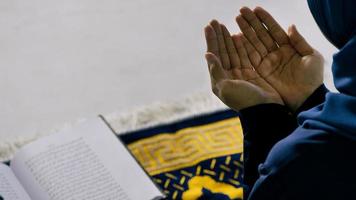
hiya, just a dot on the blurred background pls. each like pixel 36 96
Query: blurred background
pixel 69 59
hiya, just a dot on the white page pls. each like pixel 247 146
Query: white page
pixel 10 188
pixel 86 162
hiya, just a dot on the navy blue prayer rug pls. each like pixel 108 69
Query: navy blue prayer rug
pixel 198 158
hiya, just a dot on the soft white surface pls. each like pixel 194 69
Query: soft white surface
pixel 69 59
pixel 134 119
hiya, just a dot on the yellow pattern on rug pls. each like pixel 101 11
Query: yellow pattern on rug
pixel 167 152
pixel 196 185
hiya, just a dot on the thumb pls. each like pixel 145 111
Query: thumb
pixel 215 68
pixel 298 42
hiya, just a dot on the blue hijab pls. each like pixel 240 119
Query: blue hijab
pixel 337 20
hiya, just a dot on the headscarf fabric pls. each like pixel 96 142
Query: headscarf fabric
pixel 337 21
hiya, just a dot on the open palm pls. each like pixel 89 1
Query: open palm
pixel 262 65
pixel 286 61
pixel 233 77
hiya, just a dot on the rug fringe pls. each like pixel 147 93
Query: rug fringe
pixel 133 119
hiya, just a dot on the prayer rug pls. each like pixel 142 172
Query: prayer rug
pixel 198 158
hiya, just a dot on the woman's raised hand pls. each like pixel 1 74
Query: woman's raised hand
pixel 233 77
pixel 263 65
pixel 285 61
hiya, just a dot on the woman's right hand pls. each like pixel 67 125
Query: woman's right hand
pixel 234 80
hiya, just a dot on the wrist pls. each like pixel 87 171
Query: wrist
pixel 296 102
pixel 315 98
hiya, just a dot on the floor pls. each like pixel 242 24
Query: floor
pixel 64 60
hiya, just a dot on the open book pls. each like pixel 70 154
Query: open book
pixel 87 162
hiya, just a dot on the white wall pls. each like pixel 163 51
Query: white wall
pixel 67 59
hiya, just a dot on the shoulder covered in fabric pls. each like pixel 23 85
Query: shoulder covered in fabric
pixel 308 164
pixel 301 142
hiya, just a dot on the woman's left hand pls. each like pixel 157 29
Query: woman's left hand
pixel 286 61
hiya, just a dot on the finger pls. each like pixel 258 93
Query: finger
pixel 251 35
pixel 259 29
pixel 298 42
pixel 210 59
pixel 241 50
pixel 216 71
pixel 211 40
pixel 224 57
pixel 234 57
pixel 254 56
pixel 275 30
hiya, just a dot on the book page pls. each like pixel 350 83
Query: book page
pixel 86 162
pixel 10 188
